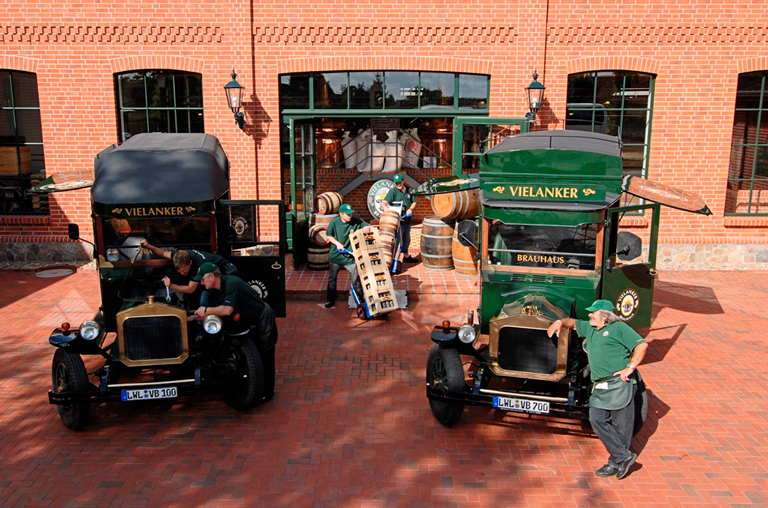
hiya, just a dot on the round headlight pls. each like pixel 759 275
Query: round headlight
pixel 113 255
pixel 90 330
pixel 212 324
pixel 467 334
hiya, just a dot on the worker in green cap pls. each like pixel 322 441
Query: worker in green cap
pixel 399 199
pixel 341 256
pixel 614 351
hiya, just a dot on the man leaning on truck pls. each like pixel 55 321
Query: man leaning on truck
pixel 187 263
pixel 614 351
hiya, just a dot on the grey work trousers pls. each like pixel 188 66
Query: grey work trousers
pixel 614 429
pixel 333 274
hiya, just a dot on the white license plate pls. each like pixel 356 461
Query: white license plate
pixel 168 392
pixel 521 405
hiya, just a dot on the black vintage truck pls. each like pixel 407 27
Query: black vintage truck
pixel 172 190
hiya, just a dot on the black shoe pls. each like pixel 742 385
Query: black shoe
pixel 409 259
pixel 624 466
pixel 607 470
pixel 329 303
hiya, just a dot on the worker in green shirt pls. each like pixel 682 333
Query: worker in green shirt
pixel 614 351
pixel 399 198
pixel 341 256
pixel 230 295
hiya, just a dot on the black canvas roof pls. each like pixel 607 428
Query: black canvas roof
pixel 161 168
pixel 561 140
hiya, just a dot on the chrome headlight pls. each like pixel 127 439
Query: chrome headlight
pixel 467 334
pixel 90 330
pixel 212 324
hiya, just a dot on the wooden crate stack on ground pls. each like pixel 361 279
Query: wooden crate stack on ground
pixel 378 291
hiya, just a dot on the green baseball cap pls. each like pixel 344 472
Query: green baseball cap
pixel 346 209
pixel 397 178
pixel 601 305
pixel 204 268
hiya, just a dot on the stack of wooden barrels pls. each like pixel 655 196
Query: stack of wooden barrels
pixel 441 249
pixel 326 207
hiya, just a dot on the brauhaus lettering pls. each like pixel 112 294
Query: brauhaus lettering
pixel 525 258
pixel 157 210
pixel 544 192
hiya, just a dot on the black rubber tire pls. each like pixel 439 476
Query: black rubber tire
pixel 641 407
pixel 68 375
pixel 243 359
pixel 361 312
pixel 445 371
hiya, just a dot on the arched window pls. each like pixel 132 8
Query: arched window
pixel 22 164
pixel 159 101
pixel 619 103
pixel 748 170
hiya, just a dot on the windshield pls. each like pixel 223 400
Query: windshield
pixel 124 235
pixel 572 247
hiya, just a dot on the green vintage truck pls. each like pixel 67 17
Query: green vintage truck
pixel 548 245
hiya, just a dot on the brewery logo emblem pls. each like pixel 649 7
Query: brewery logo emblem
pixel 605 333
pixel 259 287
pixel 627 304
pixel 240 224
pixel 376 193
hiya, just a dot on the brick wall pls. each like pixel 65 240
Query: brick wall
pixel 696 49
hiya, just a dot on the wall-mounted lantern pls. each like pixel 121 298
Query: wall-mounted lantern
pixel 535 97
pixel 234 93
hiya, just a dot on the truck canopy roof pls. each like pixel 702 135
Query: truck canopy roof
pixel 161 168
pixel 578 141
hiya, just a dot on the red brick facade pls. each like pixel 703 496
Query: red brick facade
pixel 695 49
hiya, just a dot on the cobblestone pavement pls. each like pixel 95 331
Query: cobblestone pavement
pixel 351 427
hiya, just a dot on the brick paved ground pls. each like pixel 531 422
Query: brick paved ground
pixel 351 426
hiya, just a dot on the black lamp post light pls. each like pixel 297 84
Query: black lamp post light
pixel 535 97
pixel 234 92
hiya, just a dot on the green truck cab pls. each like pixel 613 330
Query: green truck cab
pixel 173 191
pixel 548 245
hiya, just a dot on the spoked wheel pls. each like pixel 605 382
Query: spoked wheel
pixel 445 372
pixel 243 362
pixel 68 375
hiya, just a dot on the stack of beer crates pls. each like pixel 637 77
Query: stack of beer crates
pixel 378 291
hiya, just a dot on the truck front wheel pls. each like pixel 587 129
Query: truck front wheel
pixel 445 373
pixel 68 375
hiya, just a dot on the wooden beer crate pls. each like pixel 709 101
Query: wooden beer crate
pixel 378 291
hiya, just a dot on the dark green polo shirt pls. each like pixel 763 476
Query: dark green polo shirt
pixel 340 231
pixel 610 348
pixel 236 293
pixel 395 197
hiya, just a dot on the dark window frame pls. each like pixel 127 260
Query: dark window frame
pixel 14 195
pixel 754 153
pixel 595 109
pixel 172 110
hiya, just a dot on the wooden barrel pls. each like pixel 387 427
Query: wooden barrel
pixel 387 239
pixel 317 257
pixel 436 243
pixel 456 205
pixel 317 234
pixel 328 203
pixel 321 219
pixel 464 258
pixel 389 221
